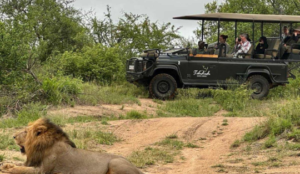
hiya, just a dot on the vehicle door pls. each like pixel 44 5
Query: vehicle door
pixel 203 70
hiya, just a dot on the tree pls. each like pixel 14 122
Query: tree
pixel 133 33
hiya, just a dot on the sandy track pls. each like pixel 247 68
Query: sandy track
pixel 139 134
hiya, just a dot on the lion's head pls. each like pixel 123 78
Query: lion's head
pixel 40 136
pixel 20 140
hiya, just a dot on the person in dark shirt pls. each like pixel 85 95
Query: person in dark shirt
pixel 201 49
pixel 292 38
pixel 262 45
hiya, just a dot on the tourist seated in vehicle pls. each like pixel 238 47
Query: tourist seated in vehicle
pixel 293 37
pixel 242 46
pixel 285 32
pixel 201 48
pixel 290 40
pixel 262 45
pixel 222 40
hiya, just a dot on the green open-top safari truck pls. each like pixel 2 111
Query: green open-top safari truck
pixel 164 72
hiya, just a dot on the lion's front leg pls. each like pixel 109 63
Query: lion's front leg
pixel 13 169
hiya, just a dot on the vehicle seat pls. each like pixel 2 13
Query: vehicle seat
pixel 294 48
pixel 249 53
pixel 272 51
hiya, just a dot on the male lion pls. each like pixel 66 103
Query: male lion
pixel 50 151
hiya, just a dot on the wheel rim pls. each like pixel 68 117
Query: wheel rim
pixel 257 87
pixel 163 87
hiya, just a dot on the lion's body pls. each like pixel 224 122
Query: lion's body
pixel 48 148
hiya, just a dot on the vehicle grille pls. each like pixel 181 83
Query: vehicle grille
pixel 134 65
pixel 137 65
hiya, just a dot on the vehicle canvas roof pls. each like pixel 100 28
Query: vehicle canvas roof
pixel 243 17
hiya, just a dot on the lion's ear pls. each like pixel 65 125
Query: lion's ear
pixel 39 130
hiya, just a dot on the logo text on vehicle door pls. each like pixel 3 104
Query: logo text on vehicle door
pixel 202 73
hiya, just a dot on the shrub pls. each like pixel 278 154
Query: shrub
pixel 61 89
pixel 99 63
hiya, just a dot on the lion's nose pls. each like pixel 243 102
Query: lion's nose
pixel 14 137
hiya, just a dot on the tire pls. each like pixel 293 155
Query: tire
pixel 163 86
pixel 260 85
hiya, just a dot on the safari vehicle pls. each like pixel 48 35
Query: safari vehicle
pixel 164 72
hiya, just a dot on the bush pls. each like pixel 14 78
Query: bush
pixel 99 63
pixel 61 89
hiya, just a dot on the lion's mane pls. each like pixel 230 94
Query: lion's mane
pixel 41 136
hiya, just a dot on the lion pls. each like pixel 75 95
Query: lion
pixel 49 150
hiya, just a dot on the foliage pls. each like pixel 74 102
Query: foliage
pixel 98 63
pixel 61 89
pixel 29 113
pixel 135 115
pixel 191 107
pixel 110 94
pixel 151 156
pixel 133 33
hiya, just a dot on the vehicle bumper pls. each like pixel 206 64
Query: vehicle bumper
pixel 134 77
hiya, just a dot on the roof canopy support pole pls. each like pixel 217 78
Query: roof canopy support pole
pixel 280 37
pixel 235 30
pixel 253 42
pixel 219 31
pixel 262 28
pixel 202 34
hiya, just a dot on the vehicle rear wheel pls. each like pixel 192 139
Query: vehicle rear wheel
pixel 163 86
pixel 260 85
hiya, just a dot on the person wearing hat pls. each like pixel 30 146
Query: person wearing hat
pixel 201 49
pixel 293 37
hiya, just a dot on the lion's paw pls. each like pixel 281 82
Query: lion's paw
pixel 7 167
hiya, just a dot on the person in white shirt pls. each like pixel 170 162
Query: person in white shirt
pixel 242 46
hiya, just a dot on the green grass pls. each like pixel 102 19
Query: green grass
pixel 191 145
pixel 7 142
pixel 270 142
pixel 191 107
pixel 82 137
pixel 62 120
pixel 135 115
pixel 111 94
pixel 151 156
pixel 170 143
pixel 236 144
pixel 218 166
pixel 294 135
pixel 18 159
pixel 260 163
pixel 2 157
pixel 172 136
pixel 29 113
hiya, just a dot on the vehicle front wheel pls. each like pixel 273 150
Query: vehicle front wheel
pixel 260 85
pixel 163 86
